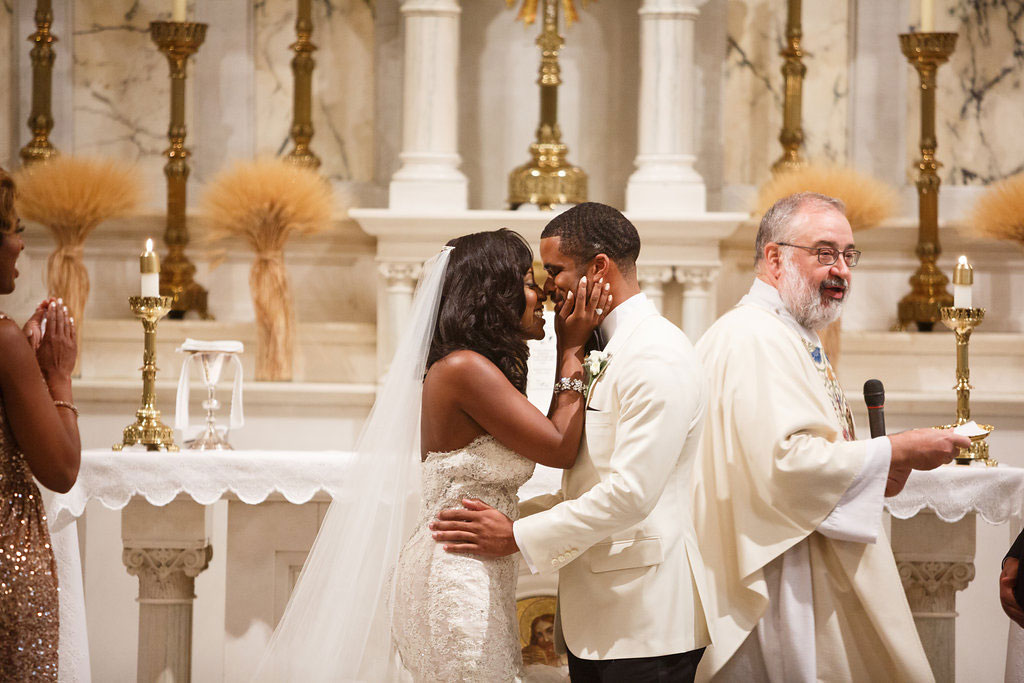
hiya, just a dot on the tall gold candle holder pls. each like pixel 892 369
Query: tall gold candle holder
pixel 926 52
pixel 549 179
pixel 302 97
pixel 40 121
pixel 963 321
pixel 178 40
pixel 793 72
pixel 147 429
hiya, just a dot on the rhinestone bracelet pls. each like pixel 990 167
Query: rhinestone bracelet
pixel 569 384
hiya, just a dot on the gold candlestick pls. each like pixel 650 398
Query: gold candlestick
pixel 926 52
pixel 147 429
pixel 793 71
pixel 40 121
pixel 178 40
pixel 302 98
pixel 963 321
pixel 549 179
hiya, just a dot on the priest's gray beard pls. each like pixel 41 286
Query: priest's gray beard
pixel 805 301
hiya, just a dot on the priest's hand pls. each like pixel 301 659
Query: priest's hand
pixel 897 480
pixel 1007 582
pixel 924 449
pixel 476 529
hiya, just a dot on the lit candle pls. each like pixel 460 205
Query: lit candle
pixel 927 16
pixel 963 279
pixel 149 266
pixel 178 10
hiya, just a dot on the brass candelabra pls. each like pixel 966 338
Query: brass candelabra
pixel 302 96
pixel 793 72
pixel 963 321
pixel 926 52
pixel 147 429
pixel 548 179
pixel 40 121
pixel 178 40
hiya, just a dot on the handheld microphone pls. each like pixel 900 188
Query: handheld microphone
pixel 874 397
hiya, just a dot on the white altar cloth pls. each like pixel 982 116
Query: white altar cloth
pixel 115 478
pixel 952 491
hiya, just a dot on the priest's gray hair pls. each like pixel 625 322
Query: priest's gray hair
pixel 776 225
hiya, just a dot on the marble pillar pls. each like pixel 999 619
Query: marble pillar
pixel 430 175
pixel 698 298
pixel 652 279
pixel 665 180
pixel 398 279
pixel 932 575
pixel 166 548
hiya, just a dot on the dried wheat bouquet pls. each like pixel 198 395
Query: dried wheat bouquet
pixel 264 203
pixel 71 196
pixel 999 212
pixel 868 201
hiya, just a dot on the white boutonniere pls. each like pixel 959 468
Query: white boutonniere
pixel 594 366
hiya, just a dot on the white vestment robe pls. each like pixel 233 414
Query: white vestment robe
pixel 788 511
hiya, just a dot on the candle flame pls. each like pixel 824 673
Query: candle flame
pixel 962 260
pixel 149 246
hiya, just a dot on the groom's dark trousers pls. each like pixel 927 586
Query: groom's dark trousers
pixel 681 667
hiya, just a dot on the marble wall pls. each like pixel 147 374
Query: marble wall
pixel 753 85
pixel 343 88
pixel 8 78
pixel 980 93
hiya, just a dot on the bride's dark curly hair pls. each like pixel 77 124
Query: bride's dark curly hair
pixel 482 302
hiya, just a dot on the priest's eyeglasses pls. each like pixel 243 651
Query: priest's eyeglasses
pixel 827 255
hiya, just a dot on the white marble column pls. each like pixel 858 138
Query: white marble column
pixel 665 180
pixel 698 298
pixel 652 281
pixel 429 177
pixel 398 280
pixel 932 574
pixel 167 548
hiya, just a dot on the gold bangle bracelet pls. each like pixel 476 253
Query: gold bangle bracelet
pixel 66 404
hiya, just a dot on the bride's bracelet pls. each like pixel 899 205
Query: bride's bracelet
pixel 569 384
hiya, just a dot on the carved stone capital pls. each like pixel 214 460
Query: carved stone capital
pixel 652 275
pixel 166 575
pixel 400 274
pixel 931 585
pixel 696 277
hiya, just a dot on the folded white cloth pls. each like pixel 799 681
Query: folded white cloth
pixel 971 428
pixel 197 348
pixel 224 346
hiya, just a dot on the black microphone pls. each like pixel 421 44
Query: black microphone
pixel 874 396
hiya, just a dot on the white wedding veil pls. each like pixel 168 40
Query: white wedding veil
pixel 337 624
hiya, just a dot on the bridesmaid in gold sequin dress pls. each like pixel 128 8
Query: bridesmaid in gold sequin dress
pixel 38 438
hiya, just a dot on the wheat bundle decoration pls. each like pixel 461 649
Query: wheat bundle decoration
pixel 868 202
pixel 71 196
pixel 999 212
pixel 264 203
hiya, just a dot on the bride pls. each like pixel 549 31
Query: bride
pixel 451 423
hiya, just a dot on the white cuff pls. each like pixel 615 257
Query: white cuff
pixel 858 514
pixel 522 549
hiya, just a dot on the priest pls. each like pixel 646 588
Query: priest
pixel 787 503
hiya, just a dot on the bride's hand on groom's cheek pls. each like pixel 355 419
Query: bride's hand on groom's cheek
pixel 476 529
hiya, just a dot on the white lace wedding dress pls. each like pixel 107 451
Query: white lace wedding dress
pixel 454 615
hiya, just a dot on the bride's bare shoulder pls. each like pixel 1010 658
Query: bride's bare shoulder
pixel 462 366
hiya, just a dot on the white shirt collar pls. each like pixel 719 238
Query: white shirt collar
pixel 620 316
pixel 766 297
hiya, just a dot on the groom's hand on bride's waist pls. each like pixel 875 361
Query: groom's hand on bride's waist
pixel 476 529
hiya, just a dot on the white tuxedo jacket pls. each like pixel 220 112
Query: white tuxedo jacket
pixel 620 532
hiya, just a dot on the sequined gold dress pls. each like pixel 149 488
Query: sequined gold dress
pixel 28 572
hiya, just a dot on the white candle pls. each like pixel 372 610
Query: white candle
pixel 927 16
pixel 149 267
pixel 963 280
pixel 178 10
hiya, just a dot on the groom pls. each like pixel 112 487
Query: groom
pixel 619 532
